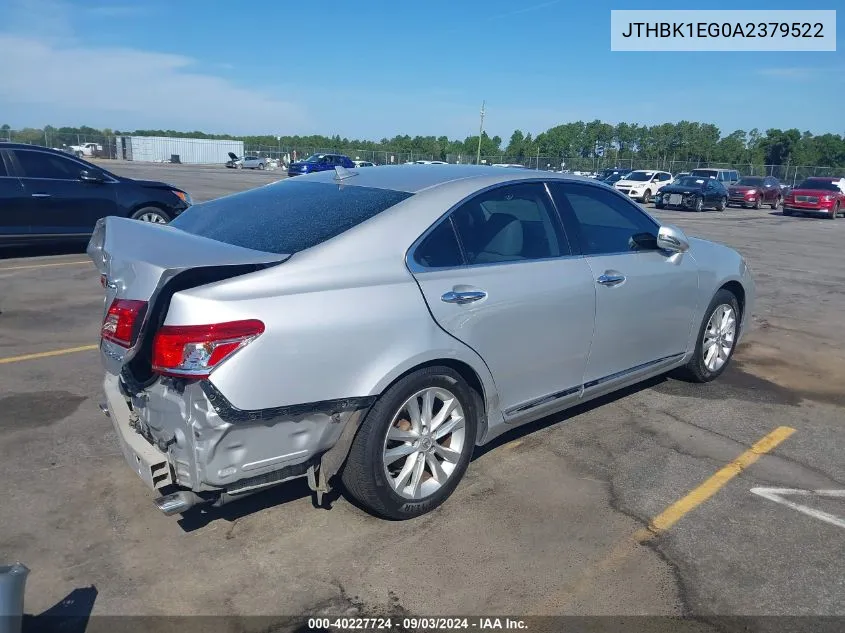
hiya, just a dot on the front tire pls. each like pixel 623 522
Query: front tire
pixel 153 215
pixel 776 204
pixel 716 340
pixel 414 446
pixel 758 202
pixel 261 166
pixel 647 196
pixel 834 212
pixel 722 204
pixel 699 204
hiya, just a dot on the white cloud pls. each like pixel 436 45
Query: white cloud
pixel 124 87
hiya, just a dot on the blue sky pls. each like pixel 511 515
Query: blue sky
pixel 370 69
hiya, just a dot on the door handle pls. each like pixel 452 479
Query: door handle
pixel 466 296
pixel 610 279
pixel 41 195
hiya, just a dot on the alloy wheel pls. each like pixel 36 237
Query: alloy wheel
pixel 152 216
pixel 424 443
pixel 719 337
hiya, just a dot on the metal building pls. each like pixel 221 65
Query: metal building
pixel 191 151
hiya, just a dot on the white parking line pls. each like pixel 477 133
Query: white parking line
pixel 777 495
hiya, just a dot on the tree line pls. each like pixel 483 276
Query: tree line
pixel 682 141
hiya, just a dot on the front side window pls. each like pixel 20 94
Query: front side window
pixel 43 165
pixel 606 222
pixel 508 224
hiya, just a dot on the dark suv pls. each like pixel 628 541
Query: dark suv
pixel 48 196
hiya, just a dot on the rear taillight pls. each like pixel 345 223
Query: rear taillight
pixel 195 350
pixel 122 322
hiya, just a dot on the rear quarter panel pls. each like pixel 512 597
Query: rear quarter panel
pixel 333 332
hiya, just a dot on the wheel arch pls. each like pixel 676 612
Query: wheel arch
pixel 480 381
pixel 738 290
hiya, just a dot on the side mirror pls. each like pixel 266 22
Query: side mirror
pixel 672 239
pixel 87 175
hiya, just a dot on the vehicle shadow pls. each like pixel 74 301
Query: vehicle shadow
pixel 199 517
pixel 43 250
pixel 69 615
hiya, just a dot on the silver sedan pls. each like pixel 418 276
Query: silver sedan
pixel 376 326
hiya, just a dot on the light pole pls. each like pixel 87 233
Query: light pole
pixel 480 132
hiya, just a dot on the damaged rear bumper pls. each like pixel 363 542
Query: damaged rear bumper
pixel 188 435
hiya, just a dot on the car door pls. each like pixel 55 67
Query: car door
pixel 57 201
pixel 14 222
pixel 771 190
pixel 645 298
pixel 712 192
pixel 498 274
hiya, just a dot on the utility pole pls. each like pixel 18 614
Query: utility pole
pixel 480 132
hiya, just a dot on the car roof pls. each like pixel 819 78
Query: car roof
pixel 7 145
pixel 415 178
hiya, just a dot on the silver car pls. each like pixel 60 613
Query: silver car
pixel 379 325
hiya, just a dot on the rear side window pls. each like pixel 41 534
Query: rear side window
pixel 508 224
pixel 287 217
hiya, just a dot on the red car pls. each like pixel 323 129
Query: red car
pixel 823 195
pixel 755 191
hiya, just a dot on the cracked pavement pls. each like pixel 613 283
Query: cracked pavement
pixel 542 524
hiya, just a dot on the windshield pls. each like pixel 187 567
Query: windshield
pixel 314 158
pixel 690 181
pixel 640 176
pixel 286 217
pixel 614 177
pixel 750 182
pixel 821 185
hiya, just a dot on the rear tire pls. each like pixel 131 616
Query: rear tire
pixel 151 214
pixel 397 489
pixel 716 336
pixel 261 166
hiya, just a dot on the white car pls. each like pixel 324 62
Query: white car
pixel 642 184
pixel 86 149
pixel 363 163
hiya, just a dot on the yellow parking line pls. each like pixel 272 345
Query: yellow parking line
pixel 44 265
pixel 55 352
pixel 674 512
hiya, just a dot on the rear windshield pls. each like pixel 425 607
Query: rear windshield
pixel 286 217
pixel 710 173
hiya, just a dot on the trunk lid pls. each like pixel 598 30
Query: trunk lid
pixel 148 262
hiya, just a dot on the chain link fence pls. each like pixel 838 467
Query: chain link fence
pixel 107 147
